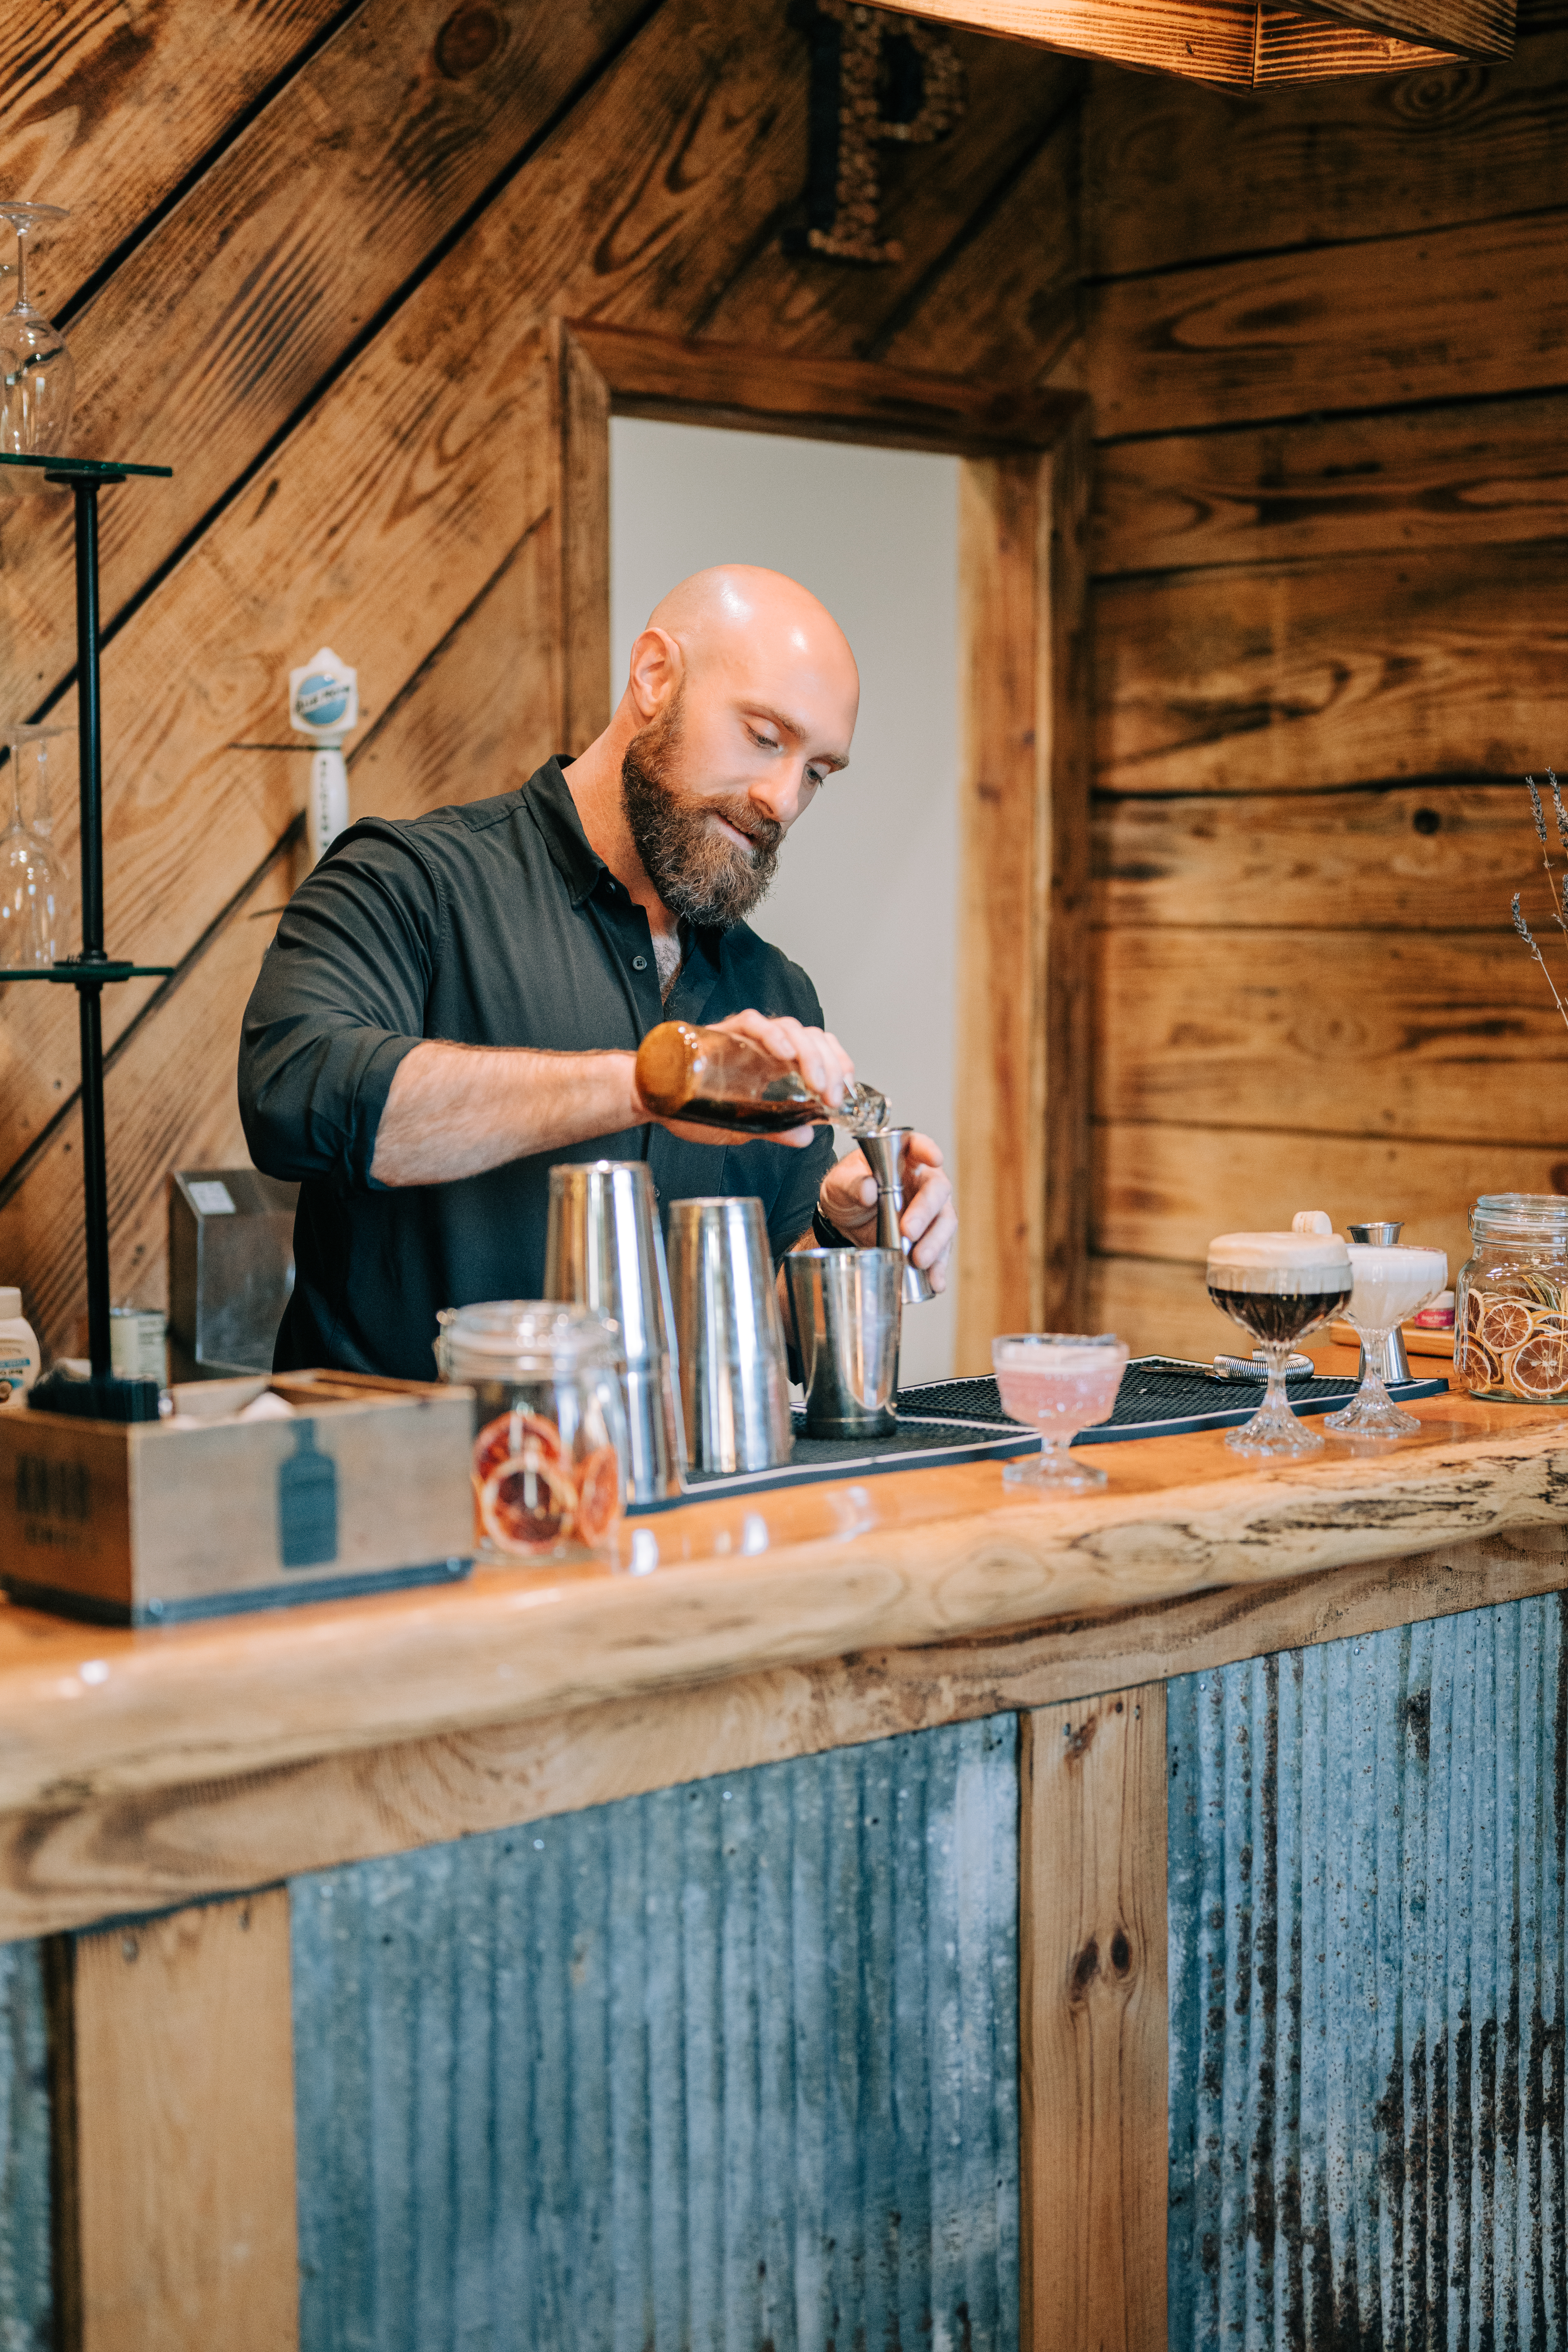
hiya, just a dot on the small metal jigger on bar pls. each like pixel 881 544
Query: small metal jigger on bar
pixel 1384 1355
pixel 884 1150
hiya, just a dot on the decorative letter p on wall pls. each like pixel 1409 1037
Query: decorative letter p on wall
pixel 873 78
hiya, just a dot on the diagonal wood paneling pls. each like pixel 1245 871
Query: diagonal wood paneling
pixel 109 109
pixel 230 315
pixel 386 510
pixel 934 195
pixel 466 724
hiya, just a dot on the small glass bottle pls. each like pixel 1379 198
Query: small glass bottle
pixel 549 1434
pixel 19 1357
pixel 716 1077
pixel 1510 1301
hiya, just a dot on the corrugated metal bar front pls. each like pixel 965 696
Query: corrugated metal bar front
pixel 1366 1888
pixel 730 2066
pixel 24 2290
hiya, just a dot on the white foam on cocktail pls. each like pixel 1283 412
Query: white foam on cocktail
pixel 1392 1282
pixel 1057 1356
pixel 1291 1263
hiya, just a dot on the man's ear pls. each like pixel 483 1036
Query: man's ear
pixel 657 667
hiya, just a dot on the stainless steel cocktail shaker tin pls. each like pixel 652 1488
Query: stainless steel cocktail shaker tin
pixel 604 1249
pixel 734 1380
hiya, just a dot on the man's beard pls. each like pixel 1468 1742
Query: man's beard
pixel 697 873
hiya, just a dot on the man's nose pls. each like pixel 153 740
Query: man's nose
pixel 778 794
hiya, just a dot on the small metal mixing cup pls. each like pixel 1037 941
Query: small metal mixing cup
pixel 604 1249
pixel 847 1305
pixel 884 1150
pixel 734 1381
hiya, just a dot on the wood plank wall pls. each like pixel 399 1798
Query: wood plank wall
pixel 315 257
pixel 1326 335
pixel 315 254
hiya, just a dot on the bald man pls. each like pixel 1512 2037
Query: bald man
pixel 453 1006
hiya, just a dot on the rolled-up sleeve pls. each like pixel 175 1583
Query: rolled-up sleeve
pixel 338 1000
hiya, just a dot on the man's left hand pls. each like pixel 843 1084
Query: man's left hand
pixel 848 1200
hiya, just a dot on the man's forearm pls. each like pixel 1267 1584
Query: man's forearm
pixel 456 1110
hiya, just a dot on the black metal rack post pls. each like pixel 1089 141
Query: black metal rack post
pixel 94 969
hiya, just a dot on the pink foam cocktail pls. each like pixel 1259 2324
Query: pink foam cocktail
pixel 1062 1382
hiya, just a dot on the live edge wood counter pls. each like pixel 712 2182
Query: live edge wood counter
pixel 143 1769
pixel 152 1773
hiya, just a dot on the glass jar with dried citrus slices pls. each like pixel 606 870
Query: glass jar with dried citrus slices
pixel 549 1434
pixel 1511 1303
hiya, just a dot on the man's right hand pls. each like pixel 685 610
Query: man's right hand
pixel 817 1053
pixel 456 1110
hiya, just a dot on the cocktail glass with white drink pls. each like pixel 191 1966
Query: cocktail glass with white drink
pixel 1277 1287
pixel 1392 1283
pixel 1062 1382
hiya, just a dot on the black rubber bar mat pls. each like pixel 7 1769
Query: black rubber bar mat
pixel 916 1444
pixel 1151 1403
pixel 963 1420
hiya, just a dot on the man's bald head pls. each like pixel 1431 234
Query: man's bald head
pixel 740 703
pixel 732 608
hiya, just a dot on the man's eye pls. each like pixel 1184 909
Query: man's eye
pixel 767 742
pixel 816 776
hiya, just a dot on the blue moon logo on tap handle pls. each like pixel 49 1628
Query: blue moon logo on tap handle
pixel 323 705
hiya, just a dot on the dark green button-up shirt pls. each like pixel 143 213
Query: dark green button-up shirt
pixel 494 924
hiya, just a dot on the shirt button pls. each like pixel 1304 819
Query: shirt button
pixel 639 963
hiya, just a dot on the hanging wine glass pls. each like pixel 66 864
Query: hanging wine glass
pixel 31 890
pixel 36 741
pixel 37 380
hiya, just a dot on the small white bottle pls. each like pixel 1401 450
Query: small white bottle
pixel 20 1360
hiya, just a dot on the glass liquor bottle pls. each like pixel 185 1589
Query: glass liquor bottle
pixel 715 1077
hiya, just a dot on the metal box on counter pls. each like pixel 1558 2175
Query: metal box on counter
pixel 363 1486
pixel 231 1269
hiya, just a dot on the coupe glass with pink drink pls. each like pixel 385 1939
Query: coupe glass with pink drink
pixel 1062 1382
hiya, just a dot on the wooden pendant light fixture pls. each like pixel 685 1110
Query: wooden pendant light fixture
pixel 1247 44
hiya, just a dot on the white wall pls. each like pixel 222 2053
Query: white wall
pixel 867 894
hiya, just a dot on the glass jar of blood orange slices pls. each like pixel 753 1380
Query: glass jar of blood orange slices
pixel 1511 1302
pixel 549 1434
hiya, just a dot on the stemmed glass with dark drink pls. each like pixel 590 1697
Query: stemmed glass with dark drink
pixel 1278 1288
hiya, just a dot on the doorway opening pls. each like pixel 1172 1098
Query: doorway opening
pixel 867 897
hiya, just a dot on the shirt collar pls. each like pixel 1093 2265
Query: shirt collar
pixel 548 797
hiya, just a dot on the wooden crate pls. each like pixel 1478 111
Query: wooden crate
pixel 366 1486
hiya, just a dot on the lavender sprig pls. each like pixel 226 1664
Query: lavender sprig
pixel 1522 928
pixel 1540 815
pixel 1557 804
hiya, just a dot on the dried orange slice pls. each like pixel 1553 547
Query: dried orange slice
pixel 1540 1368
pixel 1476 1365
pixel 1475 1306
pixel 1505 1325
pixel 527 1504
pixel 511 1433
pixel 598 1494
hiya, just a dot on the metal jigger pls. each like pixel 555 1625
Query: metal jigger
pixel 1384 1355
pixel 884 1150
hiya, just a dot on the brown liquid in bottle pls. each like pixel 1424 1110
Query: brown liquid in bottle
pixel 715 1078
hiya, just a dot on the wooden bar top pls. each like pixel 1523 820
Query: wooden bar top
pixel 724 1589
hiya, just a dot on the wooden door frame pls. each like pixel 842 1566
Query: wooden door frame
pixel 1022 1094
